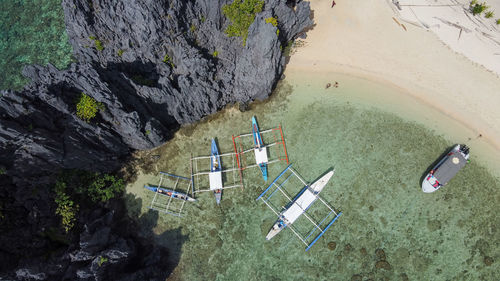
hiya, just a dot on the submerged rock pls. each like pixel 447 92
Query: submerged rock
pixel 380 254
pixel 488 261
pixel 363 252
pixel 357 277
pixel 383 264
pixel 332 245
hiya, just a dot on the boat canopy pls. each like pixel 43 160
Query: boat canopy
pixel 299 206
pixel 450 167
pixel 215 179
pixel 261 155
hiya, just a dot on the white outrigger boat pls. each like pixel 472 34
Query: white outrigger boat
pixel 216 181
pixel 446 168
pixel 299 205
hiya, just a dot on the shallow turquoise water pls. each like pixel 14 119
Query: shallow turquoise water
pixel 379 159
pixel 31 32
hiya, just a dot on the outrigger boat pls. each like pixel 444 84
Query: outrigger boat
pixel 299 205
pixel 259 150
pixel 446 168
pixel 215 175
pixel 171 193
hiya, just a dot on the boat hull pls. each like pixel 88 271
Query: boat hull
pixel 277 228
pixel 427 186
pixel 218 196
pixel 171 193
pixel 257 139
pixel 263 170
pixel 216 173
pixel 318 185
pixel 299 204
pixel 445 169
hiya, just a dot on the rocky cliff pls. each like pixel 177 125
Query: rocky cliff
pixel 154 65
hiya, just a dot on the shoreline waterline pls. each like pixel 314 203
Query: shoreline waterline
pixel 362 38
pixel 394 99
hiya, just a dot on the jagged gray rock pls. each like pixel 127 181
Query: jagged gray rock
pixel 152 66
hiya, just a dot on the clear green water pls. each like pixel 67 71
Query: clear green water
pixel 31 32
pixel 379 160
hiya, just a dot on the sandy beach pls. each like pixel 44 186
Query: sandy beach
pixel 366 39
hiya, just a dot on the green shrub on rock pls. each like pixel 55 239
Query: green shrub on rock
pixel 99 187
pixel 272 20
pixel 102 260
pixel 87 107
pixel 97 43
pixel 66 208
pixel 241 13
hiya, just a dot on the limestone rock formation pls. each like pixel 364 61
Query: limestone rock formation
pixel 154 65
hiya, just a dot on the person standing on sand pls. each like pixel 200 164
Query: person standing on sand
pixel 333 3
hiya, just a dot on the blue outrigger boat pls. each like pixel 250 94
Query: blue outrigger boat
pixel 171 193
pixel 260 149
pixel 298 206
pixel 215 175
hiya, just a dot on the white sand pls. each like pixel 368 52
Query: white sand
pixel 476 37
pixel 362 38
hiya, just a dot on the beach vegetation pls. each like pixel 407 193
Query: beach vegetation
pixel 147 132
pixel 489 14
pixel 478 8
pixel 192 28
pixel 2 171
pixel 498 21
pixel 66 208
pixel 215 54
pixel 120 52
pixel 87 107
pixel 203 19
pixel 241 13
